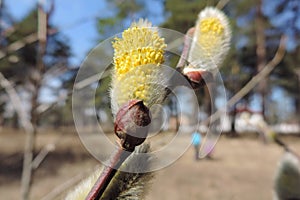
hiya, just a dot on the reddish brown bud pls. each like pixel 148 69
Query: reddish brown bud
pixel 131 124
pixel 191 32
pixel 199 78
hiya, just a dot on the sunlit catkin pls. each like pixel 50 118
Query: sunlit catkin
pixel 138 56
pixel 210 42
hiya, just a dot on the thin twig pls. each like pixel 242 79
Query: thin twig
pixel 266 71
pixel 254 81
pixel 33 37
pixel 17 103
pixel 286 147
pixel 221 4
pixel 186 47
pixel 42 155
pixel 29 129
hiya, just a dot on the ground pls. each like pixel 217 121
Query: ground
pixel 241 168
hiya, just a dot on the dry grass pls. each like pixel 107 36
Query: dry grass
pixel 242 168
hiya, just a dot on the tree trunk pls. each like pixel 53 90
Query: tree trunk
pixel 233 118
pixel 297 98
pixel 261 54
pixel 207 100
pixel 36 80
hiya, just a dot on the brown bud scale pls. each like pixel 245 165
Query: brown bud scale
pixel 131 124
pixel 199 78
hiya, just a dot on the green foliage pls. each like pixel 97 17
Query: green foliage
pixel 19 66
pixel 183 13
pixel 24 61
pixel 288 71
pixel 108 25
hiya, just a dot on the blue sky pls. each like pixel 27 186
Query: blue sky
pixel 76 19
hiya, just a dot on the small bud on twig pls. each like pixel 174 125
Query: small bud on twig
pixel 131 124
pixel 198 78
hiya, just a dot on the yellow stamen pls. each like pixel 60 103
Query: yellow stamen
pixel 137 58
pixel 210 34
pixel 211 40
pixel 211 25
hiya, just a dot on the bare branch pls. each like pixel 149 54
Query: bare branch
pixel 28 127
pixel 255 80
pixel 15 46
pixel 186 47
pixel 44 152
pixel 36 82
pixel 17 103
pixel 263 73
pixel 19 44
pixel 42 155
pixel 221 4
pixel 7 32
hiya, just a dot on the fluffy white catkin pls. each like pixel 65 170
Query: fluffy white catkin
pixel 124 185
pixel 137 72
pixel 211 41
pixel 287 179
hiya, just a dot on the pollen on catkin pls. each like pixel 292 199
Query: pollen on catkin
pixel 138 56
pixel 211 39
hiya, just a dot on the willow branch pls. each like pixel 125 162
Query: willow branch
pixel 186 47
pixel 107 174
pixel 267 69
pixel 255 80
pixel 221 4
pixel 42 155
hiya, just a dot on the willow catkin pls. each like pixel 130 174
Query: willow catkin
pixel 210 42
pixel 124 185
pixel 287 179
pixel 137 72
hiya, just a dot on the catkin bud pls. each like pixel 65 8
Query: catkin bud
pixel 210 44
pixel 137 72
pixel 287 179
pixel 131 124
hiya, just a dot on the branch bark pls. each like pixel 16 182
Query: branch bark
pixel 261 54
pixel 267 69
pixel 221 4
pixel 17 103
pixel 29 130
pixel 36 81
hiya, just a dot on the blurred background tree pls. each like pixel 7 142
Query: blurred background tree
pixel 29 51
pixel 19 60
pixel 257 27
